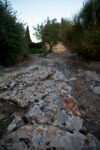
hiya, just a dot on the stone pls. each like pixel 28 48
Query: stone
pixel 69 103
pixel 92 76
pixel 17 122
pixel 38 139
pixel 95 89
pixel 34 111
pixel 17 140
pixel 74 124
pixel 54 97
pixel 92 142
pixel 67 88
pixel 94 80
pixel 7 85
pixel 61 117
pixel 44 137
pixel 71 79
pixel 46 114
pixel 24 98
pixel 2 116
pixel 69 142
pixel 64 87
pixel 58 76
pixel 35 114
pixel 50 83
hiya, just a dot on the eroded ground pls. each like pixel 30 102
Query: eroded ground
pixel 50 103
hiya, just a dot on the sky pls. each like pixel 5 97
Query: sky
pixel 33 12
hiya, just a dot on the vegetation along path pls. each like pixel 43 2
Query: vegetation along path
pixel 50 103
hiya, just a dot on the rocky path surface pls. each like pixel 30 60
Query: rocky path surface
pixel 38 110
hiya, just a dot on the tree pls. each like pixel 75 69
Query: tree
pixel 81 34
pixel 48 32
pixel 27 36
pixel 65 26
pixel 89 16
pixel 84 35
pixel 12 33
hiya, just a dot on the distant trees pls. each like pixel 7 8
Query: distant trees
pixel 82 34
pixel 89 15
pixel 27 36
pixel 12 35
pixel 48 32
pixel 65 27
pixel 36 48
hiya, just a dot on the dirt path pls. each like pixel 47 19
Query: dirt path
pixel 38 109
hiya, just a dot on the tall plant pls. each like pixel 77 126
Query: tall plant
pixel 12 35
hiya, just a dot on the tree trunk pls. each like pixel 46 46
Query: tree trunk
pixel 50 46
pixel 50 50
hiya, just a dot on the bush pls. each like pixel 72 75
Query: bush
pixel 12 41
pixel 36 48
pixel 91 43
pixel 35 45
pixel 83 36
pixel 36 51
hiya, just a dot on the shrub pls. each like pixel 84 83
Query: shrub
pixel 84 35
pixel 36 51
pixel 12 41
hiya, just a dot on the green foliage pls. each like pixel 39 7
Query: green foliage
pixel 27 37
pixel 12 41
pixel 36 48
pixel 89 15
pixel 35 45
pixel 83 36
pixel 36 51
pixel 91 43
pixel 65 29
pixel 48 32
